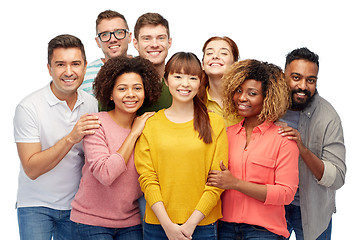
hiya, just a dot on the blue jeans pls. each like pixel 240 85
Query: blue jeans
pixel 156 232
pixel 42 223
pixel 242 231
pixel 88 232
pixel 294 223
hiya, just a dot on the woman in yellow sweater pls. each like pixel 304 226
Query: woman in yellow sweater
pixel 178 147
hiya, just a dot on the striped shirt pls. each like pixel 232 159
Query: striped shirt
pixel 91 72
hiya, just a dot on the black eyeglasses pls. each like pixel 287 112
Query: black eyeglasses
pixel 106 36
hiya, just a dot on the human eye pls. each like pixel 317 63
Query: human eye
pixel 296 77
pixel 252 93
pixel 105 34
pixel 193 78
pixel 138 88
pixel 208 53
pixel 177 76
pixel 312 80
pixel 162 37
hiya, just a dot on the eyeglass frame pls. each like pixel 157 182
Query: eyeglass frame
pixel 113 33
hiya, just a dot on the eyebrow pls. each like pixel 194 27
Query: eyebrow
pixel 219 49
pixel 295 73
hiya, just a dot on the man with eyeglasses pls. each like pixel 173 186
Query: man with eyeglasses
pixel 113 37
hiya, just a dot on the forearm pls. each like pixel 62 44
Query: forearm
pixel 127 147
pixel 36 162
pixel 315 165
pixel 256 191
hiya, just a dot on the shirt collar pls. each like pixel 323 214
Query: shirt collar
pixel 260 128
pixel 308 111
pixel 53 100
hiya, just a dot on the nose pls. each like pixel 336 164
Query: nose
pixel 130 93
pixel 154 42
pixel 215 55
pixel 68 70
pixel 242 97
pixel 303 84
pixel 185 82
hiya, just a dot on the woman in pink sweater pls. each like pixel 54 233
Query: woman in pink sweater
pixel 106 204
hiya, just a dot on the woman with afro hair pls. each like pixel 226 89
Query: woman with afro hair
pixel 262 174
pixel 106 204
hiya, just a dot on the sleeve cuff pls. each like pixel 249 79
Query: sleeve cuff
pixel 329 175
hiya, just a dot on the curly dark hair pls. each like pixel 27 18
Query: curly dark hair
pixel 114 67
pixel 275 89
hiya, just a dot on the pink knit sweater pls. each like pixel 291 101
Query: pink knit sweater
pixel 109 188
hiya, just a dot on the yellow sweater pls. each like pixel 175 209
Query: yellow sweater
pixel 174 163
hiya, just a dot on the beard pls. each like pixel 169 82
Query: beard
pixel 298 106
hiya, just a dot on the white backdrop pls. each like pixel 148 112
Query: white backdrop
pixel 263 30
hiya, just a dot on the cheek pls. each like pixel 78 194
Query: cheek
pixel 235 97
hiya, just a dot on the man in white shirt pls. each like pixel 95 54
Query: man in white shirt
pixel 49 125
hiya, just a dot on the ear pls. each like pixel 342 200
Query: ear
pixel 166 82
pixel 49 69
pixel 98 42
pixel 169 43
pixel 135 43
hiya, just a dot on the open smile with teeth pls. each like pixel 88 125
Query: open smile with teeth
pixel 154 53
pixel 243 107
pixel 184 92
pixel 114 47
pixel 215 64
pixel 68 80
pixel 130 103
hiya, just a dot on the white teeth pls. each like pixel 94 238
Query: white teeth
pixel 215 65
pixel 301 94
pixel 68 80
pixel 112 47
pixel 154 53
pixel 129 102
pixel 184 91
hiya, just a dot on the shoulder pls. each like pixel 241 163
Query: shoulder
pixel 96 63
pixel 89 100
pixel 326 107
pixel 216 119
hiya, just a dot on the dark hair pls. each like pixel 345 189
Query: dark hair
pixel 150 19
pixel 202 93
pixel 115 67
pixel 276 92
pixel 109 14
pixel 302 53
pixel 64 41
pixel 188 63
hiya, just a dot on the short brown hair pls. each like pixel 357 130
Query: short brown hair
pixel 109 14
pixel 64 41
pixel 150 19
pixel 114 67
pixel 275 89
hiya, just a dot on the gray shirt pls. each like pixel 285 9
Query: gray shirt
pixel 322 133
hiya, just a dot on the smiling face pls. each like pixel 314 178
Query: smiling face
pixel 183 87
pixel 301 76
pixel 217 58
pixel 249 99
pixel 128 93
pixel 153 43
pixel 114 47
pixel 67 69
